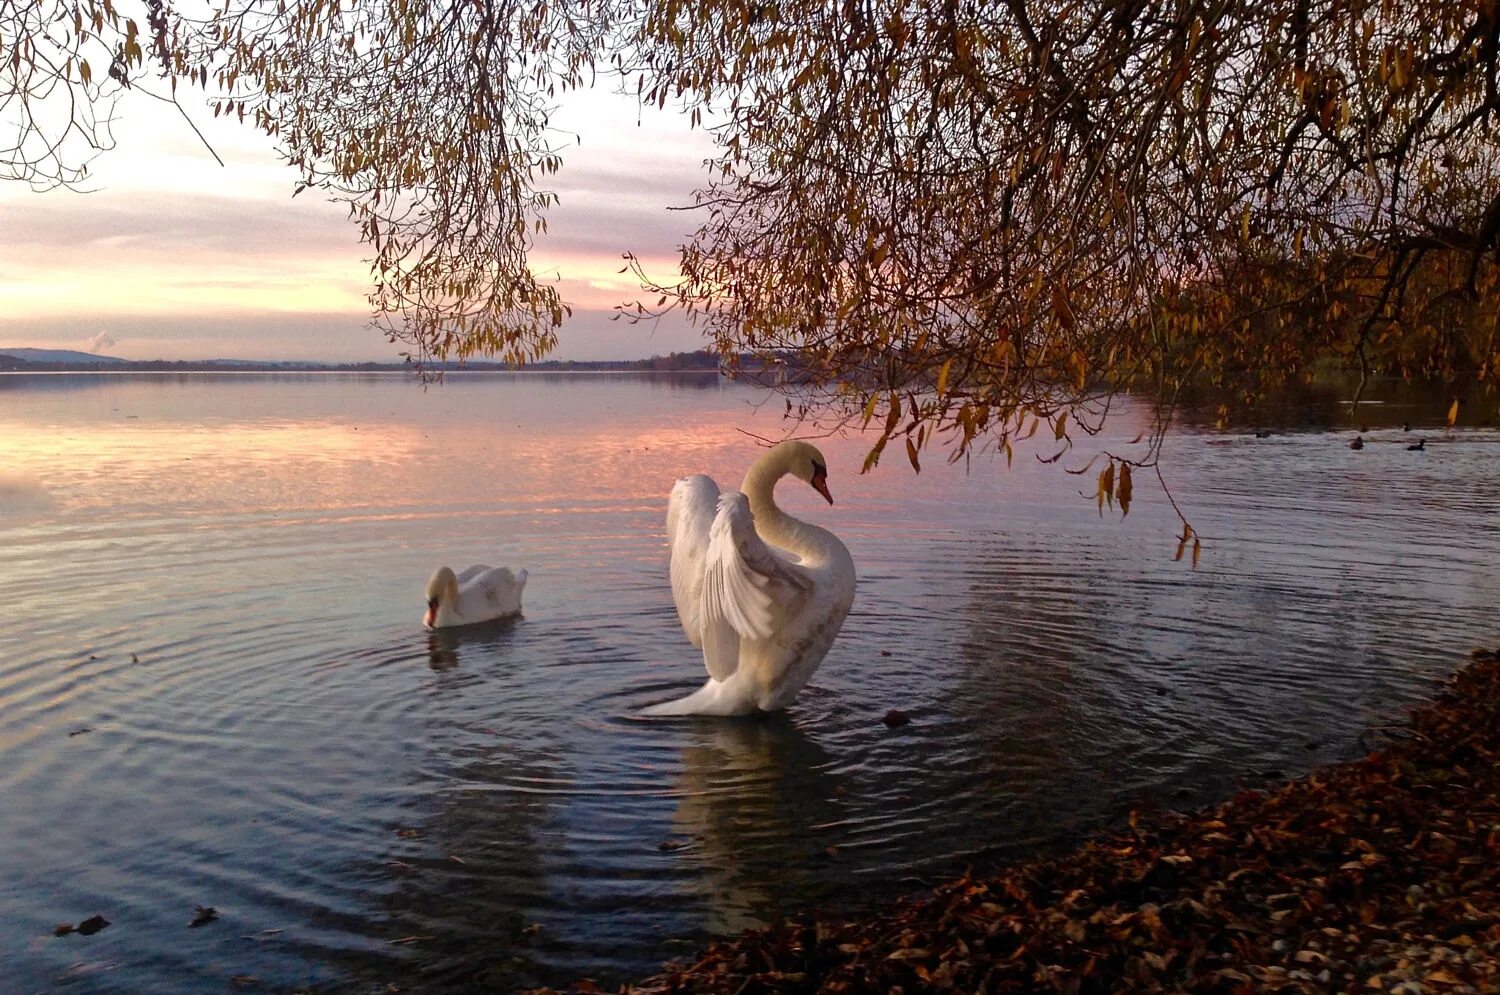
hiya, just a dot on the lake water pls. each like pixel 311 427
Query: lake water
pixel 215 688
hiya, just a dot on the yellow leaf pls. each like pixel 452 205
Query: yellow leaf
pixel 1245 224
pixel 1182 540
pixel 894 415
pixel 870 407
pixel 1453 413
pixel 942 381
pixel 1061 428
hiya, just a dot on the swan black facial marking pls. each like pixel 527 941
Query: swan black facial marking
pixel 819 470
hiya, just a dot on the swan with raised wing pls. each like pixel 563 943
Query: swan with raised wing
pixel 760 593
pixel 479 594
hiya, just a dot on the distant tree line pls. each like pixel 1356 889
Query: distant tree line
pixel 702 360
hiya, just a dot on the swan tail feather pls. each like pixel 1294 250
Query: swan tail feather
pixel 713 698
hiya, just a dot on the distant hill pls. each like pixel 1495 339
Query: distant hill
pixel 63 356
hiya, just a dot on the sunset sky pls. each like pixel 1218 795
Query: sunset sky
pixel 173 256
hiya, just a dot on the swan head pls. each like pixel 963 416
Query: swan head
pixel 803 461
pixel 442 584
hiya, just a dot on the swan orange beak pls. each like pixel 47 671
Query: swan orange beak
pixel 430 618
pixel 820 484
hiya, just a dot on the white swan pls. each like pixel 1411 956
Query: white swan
pixel 479 594
pixel 761 593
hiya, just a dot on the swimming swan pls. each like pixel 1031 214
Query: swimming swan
pixel 479 594
pixel 761 593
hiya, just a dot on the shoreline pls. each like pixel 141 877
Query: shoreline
pixel 1377 875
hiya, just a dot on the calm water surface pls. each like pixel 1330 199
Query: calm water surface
pixel 215 689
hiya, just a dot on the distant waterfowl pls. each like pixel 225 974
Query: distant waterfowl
pixel 1262 434
pixel 1358 443
pixel 479 594
pixel 1406 426
pixel 1419 447
pixel 761 593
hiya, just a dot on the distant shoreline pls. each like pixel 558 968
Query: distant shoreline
pixel 62 362
pixel 395 371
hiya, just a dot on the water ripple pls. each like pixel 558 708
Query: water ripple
pixel 214 689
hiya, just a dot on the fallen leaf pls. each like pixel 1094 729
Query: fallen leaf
pixel 203 915
pixel 92 925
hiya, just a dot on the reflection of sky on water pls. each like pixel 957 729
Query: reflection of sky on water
pixel 483 807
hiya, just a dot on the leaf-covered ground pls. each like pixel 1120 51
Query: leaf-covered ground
pixel 1375 876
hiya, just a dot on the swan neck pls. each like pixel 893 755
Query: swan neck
pixel 759 485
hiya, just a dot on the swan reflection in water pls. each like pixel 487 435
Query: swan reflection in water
pixel 751 792
pixel 485 638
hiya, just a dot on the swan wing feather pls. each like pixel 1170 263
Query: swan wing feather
pixel 689 515
pixel 740 593
pixel 496 584
pixel 470 573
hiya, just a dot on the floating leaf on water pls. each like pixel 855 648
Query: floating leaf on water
pixel 203 915
pixel 92 925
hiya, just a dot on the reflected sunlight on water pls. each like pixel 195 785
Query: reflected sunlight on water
pixel 215 689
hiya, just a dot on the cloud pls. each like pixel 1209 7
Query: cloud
pixel 101 342
pixel 180 259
